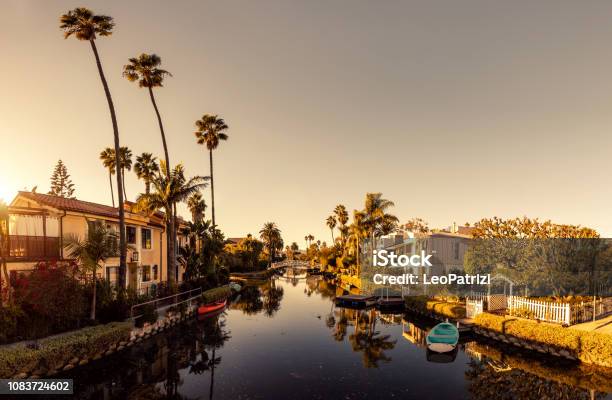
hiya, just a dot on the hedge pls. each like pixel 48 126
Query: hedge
pixel 53 353
pixel 444 308
pixel 588 347
pixel 215 294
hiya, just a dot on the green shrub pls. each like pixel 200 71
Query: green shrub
pixel 9 319
pixel 149 315
pixel 445 308
pixel 589 347
pixel 55 352
pixel 215 294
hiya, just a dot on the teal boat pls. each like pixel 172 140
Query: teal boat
pixel 442 338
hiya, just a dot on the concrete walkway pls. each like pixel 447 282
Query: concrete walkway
pixel 603 325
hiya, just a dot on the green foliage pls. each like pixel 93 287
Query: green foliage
pixel 590 347
pixel 9 318
pixel 53 353
pixel 149 316
pixel 215 294
pixel 446 308
pixel 61 184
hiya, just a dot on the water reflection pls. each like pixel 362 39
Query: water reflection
pixel 283 341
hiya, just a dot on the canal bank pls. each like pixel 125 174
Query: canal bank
pixel 285 338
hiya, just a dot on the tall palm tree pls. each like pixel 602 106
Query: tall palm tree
pixel 144 70
pixel 108 160
pixel 342 217
pixel 196 206
pixel 167 191
pixel 357 232
pixel 92 252
pixel 210 131
pixel 85 25
pixel 271 236
pixel 331 224
pixel 146 167
pixel 125 160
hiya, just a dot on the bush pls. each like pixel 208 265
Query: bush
pixel 215 294
pixel 589 347
pixel 54 353
pixel 149 315
pixel 444 308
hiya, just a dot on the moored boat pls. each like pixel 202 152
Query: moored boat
pixel 212 307
pixel 442 338
pixel 355 301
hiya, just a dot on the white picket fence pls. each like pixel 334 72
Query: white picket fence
pixel 561 313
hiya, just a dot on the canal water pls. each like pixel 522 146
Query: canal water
pixel 285 339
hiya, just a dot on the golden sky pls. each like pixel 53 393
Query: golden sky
pixel 456 110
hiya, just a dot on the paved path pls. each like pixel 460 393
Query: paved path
pixel 603 325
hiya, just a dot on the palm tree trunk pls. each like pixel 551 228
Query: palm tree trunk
pixel 122 241
pixel 332 232
pixel 147 187
pixel 123 180
pixel 110 180
pixel 212 188
pixel 161 129
pixel 170 246
pixel 93 298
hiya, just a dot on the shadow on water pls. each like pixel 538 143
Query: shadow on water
pixel 284 338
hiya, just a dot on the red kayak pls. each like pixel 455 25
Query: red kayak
pixel 212 307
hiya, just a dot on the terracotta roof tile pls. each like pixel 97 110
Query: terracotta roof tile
pixel 75 205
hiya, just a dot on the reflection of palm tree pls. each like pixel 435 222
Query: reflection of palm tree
pixel 272 298
pixel 372 346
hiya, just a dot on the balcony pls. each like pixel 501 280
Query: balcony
pixel 33 248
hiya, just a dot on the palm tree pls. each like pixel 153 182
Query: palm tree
pixel 144 69
pixel 331 223
pixel 196 206
pixel 85 25
pixel 146 167
pixel 342 217
pixel 167 191
pixel 92 253
pixel 108 160
pixel 357 232
pixel 125 160
pixel 211 130
pixel 271 236
pixel 378 221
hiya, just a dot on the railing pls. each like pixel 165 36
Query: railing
pixel 473 307
pixel 168 301
pixel 33 248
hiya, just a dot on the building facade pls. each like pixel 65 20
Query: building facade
pixel 39 223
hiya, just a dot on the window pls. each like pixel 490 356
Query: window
pixel 131 234
pixel 112 274
pixel 155 272
pixel 146 238
pixel 146 273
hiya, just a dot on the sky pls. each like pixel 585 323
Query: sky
pixel 455 110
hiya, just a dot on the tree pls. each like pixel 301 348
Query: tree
pixel 85 25
pixel 61 184
pixel 342 218
pixel 144 70
pixel 196 206
pixel 167 191
pixel 331 224
pixel 4 218
pixel 125 160
pixel 271 236
pixel 145 168
pixel 108 160
pixel 378 221
pixel 417 225
pixel 92 253
pixel 210 131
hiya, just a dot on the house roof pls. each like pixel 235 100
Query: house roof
pixel 75 205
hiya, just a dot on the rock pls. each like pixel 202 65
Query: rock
pixel 565 353
pixel 68 367
pixel 120 348
pixel 34 377
pixel 41 371
pixel 74 361
pixel 52 372
pixel 122 343
pixel 97 357
pixel 21 375
pixel 84 361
